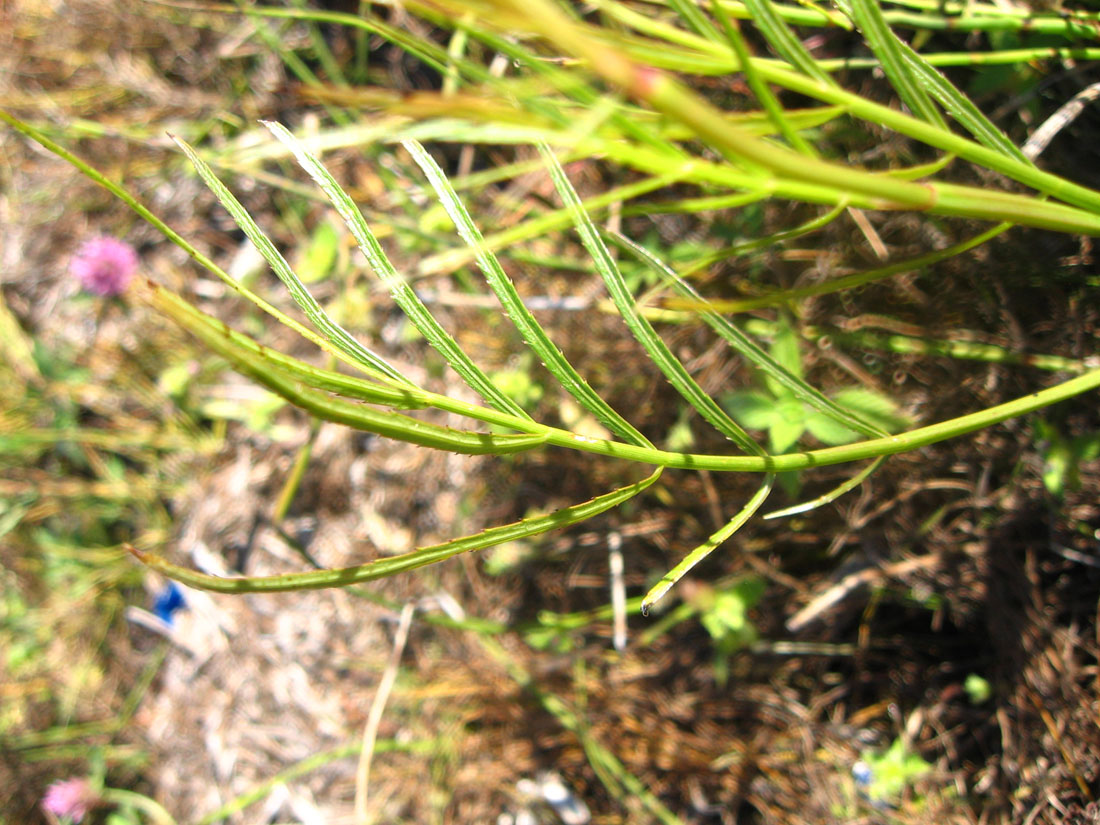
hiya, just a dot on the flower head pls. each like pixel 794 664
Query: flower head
pixel 105 266
pixel 70 799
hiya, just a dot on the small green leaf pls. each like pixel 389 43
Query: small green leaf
pixel 1058 467
pixel 787 425
pixel 752 408
pixel 680 439
pixel 893 771
pixel 175 379
pixel 785 350
pixel 872 407
pixel 977 689
pixel 828 431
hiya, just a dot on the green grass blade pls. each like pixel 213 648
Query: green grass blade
pixel 339 337
pixel 533 334
pixel 855 279
pixel 421 557
pixel 399 288
pixel 741 343
pixel 674 575
pixel 717 255
pixel 887 48
pixel 768 101
pixel 786 44
pixel 203 326
pixel 689 11
pixel 959 106
pixel 674 371
pixel 452 259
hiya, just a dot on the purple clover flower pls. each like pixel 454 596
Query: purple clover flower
pixel 105 266
pixel 70 799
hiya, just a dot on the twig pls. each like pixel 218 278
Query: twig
pixel 618 590
pixel 1058 121
pixel 374 717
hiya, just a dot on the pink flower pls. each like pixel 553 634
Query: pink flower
pixel 105 266
pixel 70 799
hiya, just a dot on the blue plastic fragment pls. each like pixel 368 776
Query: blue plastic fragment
pixel 861 773
pixel 168 601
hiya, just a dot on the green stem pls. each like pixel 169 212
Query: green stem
pixel 152 809
pixel 419 432
pixel 965 350
pixel 872 448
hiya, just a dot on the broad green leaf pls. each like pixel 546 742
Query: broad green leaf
pixel 828 431
pixel 872 406
pixel 787 353
pixel 753 408
pixel 787 425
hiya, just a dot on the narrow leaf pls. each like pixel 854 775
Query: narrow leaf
pixel 339 337
pixel 830 496
pixel 533 334
pixel 786 44
pixel 658 591
pixel 746 346
pixel 382 568
pixel 959 106
pixel 399 288
pixel 887 48
pixel 358 416
pixel 642 330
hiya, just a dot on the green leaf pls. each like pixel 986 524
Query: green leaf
pixel 421 557
pixel 787 425
pixel 258 363
pixel 828 431
pixel 657 592
pixel 335 333
pixel 320 254
pixel 978 689
pixel 787 353
pixel 755 409
pixel 893 771
pixel 642 330
pixel 403 294
pixel 785 42
pixel 888 49
pixel 533 333
pixel 744 345
pixel 872 407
